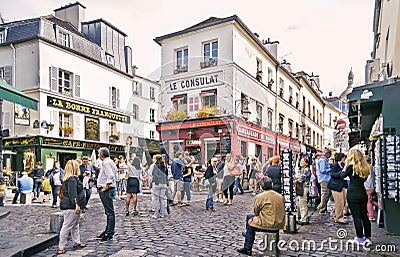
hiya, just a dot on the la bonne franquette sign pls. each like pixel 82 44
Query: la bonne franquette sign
pixel 194 82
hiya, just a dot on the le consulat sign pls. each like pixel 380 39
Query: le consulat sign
pixel 194 82
pixel 85 109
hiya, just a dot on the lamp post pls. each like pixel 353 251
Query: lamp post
pixel 220 141
pixel 245 109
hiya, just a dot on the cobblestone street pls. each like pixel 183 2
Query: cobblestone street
pixel 188 231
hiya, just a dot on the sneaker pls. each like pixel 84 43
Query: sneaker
pixel 106 238
pixel 221 200
pixel 154 216
pixel 357 240
pixel 253 194
pixel 368 241
pixel 245 251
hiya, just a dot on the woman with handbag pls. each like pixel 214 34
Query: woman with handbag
pixel 255 174
pixel 338 186
pixel 159 187
pixel 303 181
pixel 72 199
pixel 231 169
pixel 132 185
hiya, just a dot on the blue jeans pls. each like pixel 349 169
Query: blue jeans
pixel 250 233
pixel 186 190
pixel 237 186
pixel 88 193
pixel 107 201
pixel 16 196
pixel 209 201
pixel 54 190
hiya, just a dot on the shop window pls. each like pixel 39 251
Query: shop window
pixel 65 124
pixel 180 103
pixel 175 146
pixel 209 98
pixel 193 104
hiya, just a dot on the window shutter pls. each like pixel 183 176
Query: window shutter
pixel 8 74
pixel 7 120
pixel 110 96
pixel 53 78
pixel 118 104
pixel 77 126
pixel 77 81
pixel 104 130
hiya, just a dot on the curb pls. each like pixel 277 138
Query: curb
pixel 33 247
pixel 5 214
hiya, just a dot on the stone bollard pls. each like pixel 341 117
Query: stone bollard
pixel 56 221
pixel 25 198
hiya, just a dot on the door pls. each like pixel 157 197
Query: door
pixel 65 157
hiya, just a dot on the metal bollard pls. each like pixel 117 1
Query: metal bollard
pixel 291 225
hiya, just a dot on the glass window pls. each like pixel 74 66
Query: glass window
pixel 137 88
pixel 181 60
pixel 65 124
pixel 152 133
pixel 281 119
pixel 152 93
pixel 243 148
pixel 112 128
pixel 210 54
pixel 290 128
pixel 152 115
pixel 135 111
pixel 3 36
pixel 63 39
pixel 64 82
pixel 269 124
pixel 180 103
pixel 259 114
pixel 209 98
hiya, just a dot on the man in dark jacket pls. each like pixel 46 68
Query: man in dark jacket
pixel 210 175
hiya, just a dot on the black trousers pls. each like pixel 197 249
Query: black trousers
pixel 230 188
pixel 358 209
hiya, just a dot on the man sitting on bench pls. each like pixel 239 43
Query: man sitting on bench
pixel 25 186
pixel 269 215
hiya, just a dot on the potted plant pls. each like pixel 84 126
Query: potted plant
pixel 114 138
pixel 207 111
pixel 176 115
pixel 67 130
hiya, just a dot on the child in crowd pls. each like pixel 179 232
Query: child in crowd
pixel 46 189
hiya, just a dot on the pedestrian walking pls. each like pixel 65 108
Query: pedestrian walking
pixel 231 169
pixel 85 176
pixel 122 170
pixel 303 177
pixel 219 179
pixel 46 189
pixel 255 173
pixel 239 179
pixel 358 170
pixel 274 172
pixel 323 174
pixel 106 188
pixel 338 186
pixel 159 187
pixel 210 175
pixel 269 216
pixel 38 174
pixel 132 177
pixel 55 175
pixel 177 166
pixel 71 202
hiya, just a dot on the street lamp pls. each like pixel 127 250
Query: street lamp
pixel 47 126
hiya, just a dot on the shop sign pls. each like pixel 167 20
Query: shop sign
pixel 252 133
pixel 81 144
pixel 195 82
pixel 20 141
pixel 191 125
pixel 21 115
pixel 193 142
pixel 85 109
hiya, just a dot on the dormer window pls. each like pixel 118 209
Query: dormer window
pixel 110 60
pixel 63 39
pixel 3 35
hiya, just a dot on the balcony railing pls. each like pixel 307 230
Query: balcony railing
pixel 209 63
pixel 180 69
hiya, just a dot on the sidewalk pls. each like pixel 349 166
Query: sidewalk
pixel 189 231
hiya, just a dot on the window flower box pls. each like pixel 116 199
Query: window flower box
pixel 207 111
pixel 68 131
pixel 176 115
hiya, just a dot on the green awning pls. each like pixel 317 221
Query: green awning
pixel 11 94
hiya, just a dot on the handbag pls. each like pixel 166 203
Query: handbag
pixel 299 188
pixel 205 182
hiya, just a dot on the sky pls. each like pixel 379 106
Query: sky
pixel 326 37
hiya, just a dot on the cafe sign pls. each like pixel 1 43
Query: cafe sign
pixel 192 125
pixel 85 109
pixel 194 82
pixel 81 144
pixel 254 134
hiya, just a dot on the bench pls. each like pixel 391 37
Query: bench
pixel 276 240
pixel 25 198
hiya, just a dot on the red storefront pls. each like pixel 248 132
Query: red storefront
pixel 204 138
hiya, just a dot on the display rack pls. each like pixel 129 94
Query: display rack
pixel 390 161
pixel 287 180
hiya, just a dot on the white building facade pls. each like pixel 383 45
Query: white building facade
pixel 81 73
pixel 223 90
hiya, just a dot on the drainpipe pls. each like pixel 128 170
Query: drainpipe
pixel 14 64
pixel 276 109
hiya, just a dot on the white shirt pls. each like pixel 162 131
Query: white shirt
pixel 107 173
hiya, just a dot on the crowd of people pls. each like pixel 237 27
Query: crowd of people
pixel 347 180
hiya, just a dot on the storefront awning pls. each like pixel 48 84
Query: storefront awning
pixel 11 94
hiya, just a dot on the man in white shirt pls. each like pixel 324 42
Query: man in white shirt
pixel 106 187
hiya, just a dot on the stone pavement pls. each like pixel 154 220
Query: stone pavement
pixel 189 231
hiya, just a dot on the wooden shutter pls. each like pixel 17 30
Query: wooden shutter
pixel 110 96
pixel 117 98
pixel 77 125
pixel 104 130
pixel 77 82
pixel 8 74
pixel 53 72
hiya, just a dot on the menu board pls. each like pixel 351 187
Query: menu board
pixel 287 179
pixel 391 161
pixel 225 145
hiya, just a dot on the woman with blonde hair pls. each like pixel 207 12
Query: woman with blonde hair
pixel 255 174
pixel 358 170
pixel 231 169
pixel 71 202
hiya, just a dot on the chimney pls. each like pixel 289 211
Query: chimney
pixel 330 94
pixel 272 47
pixel 72 13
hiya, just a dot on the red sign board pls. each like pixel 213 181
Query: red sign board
pixel 192 124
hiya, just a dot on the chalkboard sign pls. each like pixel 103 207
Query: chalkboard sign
pixel 225 145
